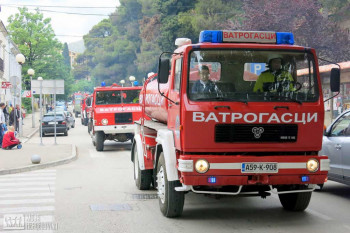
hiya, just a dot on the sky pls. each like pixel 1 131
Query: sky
pixel 67 27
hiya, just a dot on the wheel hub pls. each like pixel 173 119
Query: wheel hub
pixel 161 184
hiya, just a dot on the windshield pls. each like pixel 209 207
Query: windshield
pixel 117 97
pixel 252 75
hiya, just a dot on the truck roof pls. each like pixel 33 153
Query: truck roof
pixel 116 88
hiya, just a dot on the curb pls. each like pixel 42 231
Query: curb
pixel 42 166
pixel 30 135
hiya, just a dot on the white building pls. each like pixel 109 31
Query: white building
pixel 8 65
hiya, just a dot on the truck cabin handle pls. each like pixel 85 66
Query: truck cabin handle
pixel 277 107
pixel 224 106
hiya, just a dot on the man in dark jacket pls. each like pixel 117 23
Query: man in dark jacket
pixel 204 85
pixel 14 117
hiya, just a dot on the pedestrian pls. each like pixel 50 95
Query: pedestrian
pixel 6 113
pixel 10 140
pixel 2 121
pixel 15 117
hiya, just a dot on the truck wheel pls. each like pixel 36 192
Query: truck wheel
pixel 100 137
pixel 142 178
pixel 65 133
pixel 89 127
pixel 295 201
pixel 171 202
pixel 85 121
pixel 76 114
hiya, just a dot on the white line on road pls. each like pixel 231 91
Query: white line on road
pixel 27 175
pixel 27 209
pixel 27 183
pixel 46 189
pixel 317 214
pixel 27 195
pixel 26 201
pixel 43 171
pixel 11 179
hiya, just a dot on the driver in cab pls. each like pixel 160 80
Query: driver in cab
pixel 274 79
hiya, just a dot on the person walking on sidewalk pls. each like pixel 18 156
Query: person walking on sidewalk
pixel 14 117
pixel 10 140
pixel 2 121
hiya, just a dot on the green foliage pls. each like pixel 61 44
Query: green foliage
pixel 36 40
pixel 65 55
pixel 83 86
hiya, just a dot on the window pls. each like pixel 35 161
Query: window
pixel 342 126
pixel 178 67
pixel 233 75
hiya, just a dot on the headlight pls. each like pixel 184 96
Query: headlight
pixel 104 122
pixel 312 165
pixel 202 166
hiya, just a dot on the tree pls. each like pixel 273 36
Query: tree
pixel 36 40
pixel 304 19
pixel 66 57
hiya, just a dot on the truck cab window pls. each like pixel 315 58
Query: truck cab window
pixel 177 78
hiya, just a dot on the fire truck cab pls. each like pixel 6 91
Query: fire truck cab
pixel 114 110
pixel 220 127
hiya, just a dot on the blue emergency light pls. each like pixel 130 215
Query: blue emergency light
pixel 213 36
pixel 103 84
pixel 212 179
pixel 305 178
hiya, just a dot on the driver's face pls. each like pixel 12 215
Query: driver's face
pixel 276 64
pixel 204 75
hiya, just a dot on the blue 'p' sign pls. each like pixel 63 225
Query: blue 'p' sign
pixel 257 68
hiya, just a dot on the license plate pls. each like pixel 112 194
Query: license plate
pixel 52 123
pixel 259 168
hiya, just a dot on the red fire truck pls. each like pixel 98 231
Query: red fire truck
pixel 114 110
pixel 85 106
pixel 232 139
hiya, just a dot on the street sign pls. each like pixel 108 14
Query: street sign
pixel 6 85
pixel 26 94
pixel 257 68
pixel 48 86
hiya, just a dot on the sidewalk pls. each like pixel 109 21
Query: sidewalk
pixel 15 160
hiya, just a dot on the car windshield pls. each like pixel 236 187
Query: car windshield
pixel 252 75
pixel 117 97
pixel 52 118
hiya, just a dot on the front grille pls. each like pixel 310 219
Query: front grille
pixel 256 133
pixel 123 118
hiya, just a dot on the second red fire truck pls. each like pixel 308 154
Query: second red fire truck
pixel 114 110
pixel 232 139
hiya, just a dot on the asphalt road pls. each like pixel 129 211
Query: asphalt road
pixel 97 193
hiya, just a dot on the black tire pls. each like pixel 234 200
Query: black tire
pixel 143 178
pixel 99 140
pixel 86 121
pixel 73 126
pixel 295 201
pixel 42 134
pixel 89 126
pixel 66 133
pixel 171 202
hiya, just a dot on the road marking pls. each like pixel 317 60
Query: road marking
pixel 27 195
pixel 47 189
pixel 24 231
pixel 317 214
pixel 11 179
pixel 27 209
pixel 44 171
pixel 27 175
pixel 27 183
pixel 26 201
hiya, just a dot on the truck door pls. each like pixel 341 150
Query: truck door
pixel 174 95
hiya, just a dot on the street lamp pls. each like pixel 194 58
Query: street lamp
pixel 41 111
pixel 31 73
pixel 132 79
pixel 21 60
pixel 122 82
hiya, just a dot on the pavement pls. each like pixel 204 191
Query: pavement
pixel 19 160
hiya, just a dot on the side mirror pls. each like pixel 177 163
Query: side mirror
pixel 163 70
pixel 335 80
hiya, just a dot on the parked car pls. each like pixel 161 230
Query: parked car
pixel 336 145
pixel 48 124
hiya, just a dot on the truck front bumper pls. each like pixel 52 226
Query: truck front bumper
pixel 116 129
pixel 229 170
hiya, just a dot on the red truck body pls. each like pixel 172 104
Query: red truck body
pixel 235 141
pixel 114 110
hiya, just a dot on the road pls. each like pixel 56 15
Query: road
pixel 96 193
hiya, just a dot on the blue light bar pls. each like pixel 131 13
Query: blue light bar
pixel 212 179
pixel 284 38
pixel 305 178
pixel 103 84
pixel 210 36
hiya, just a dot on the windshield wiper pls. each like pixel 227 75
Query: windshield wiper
pixel 223 99
pixel 288 98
